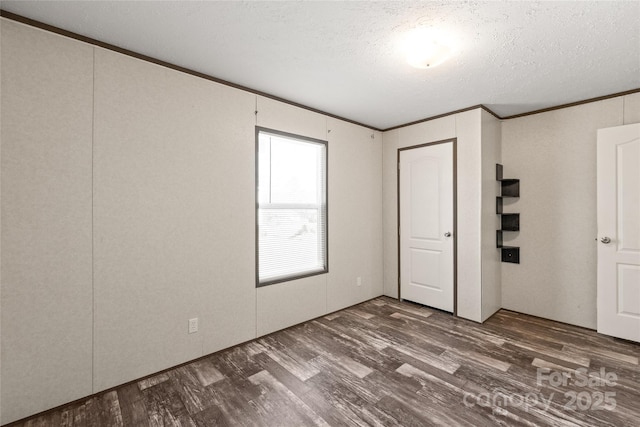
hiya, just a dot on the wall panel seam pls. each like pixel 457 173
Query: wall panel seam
pixel 93 291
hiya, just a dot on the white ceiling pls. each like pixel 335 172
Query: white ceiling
pixel 342 57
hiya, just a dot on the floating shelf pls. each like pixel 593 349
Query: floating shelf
pixel 511 254
pixel 510 187
pixel 508 221
pixel 508 253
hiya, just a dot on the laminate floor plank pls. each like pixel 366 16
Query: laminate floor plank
pixel 194 396
pixel 410 308
pixel 403 413
pixel 154 380
pixel 533 354
pixel 336 356
pixel 490 354
pixel 343 402
pixel 165 408
pixel 435 335
pixel 235 402
pixel 387 363
pixel 212 416
pixel 542 330
pixel 292 363
pixel 352 385
pixel 360 351
pixel 105 410
pixel 80 416
pixel 281 405
pixel 206 372
pixel 401 335
pixel 65 418
pixel 611 356
pixel 235 364
pixel 299 388
pixel 352 327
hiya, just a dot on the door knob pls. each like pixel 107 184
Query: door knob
pixel 447 234
pixel 605 240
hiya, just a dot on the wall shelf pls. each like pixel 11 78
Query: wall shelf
pixel 508 221
pixel 510 187
pixel 511 254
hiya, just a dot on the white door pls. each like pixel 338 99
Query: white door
pixel 619 231
pixel 426 225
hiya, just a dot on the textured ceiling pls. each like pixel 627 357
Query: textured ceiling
pixel 343 57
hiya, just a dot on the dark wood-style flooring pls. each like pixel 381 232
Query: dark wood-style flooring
pixel 386 363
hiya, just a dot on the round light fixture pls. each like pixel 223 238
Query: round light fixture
pixel 427 48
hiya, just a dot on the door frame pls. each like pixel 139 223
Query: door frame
pixel 454 154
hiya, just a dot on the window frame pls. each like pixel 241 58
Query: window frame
pixel 302 138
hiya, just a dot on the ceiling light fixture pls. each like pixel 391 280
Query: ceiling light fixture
pixel 427 47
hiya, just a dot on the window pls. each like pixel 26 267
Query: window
pixel 291 179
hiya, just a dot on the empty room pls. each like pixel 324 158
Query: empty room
pixel 331 213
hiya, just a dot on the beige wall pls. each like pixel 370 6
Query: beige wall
pixel 0 220
pixel 355 221
pixel 128 197
pixel 554 156
pixel 355 214
pixel 631 108
pixel 46 220
pixel 173 217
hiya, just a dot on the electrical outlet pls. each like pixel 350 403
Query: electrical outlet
pixel 359 281
pixel 193 325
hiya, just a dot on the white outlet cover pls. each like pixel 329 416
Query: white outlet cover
pixel 193 325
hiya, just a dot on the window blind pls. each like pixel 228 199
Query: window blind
pixel 291 208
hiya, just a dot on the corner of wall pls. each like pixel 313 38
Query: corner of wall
pixel 554 155
pixel 390 143
pixel 468 130
pixel 491 263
